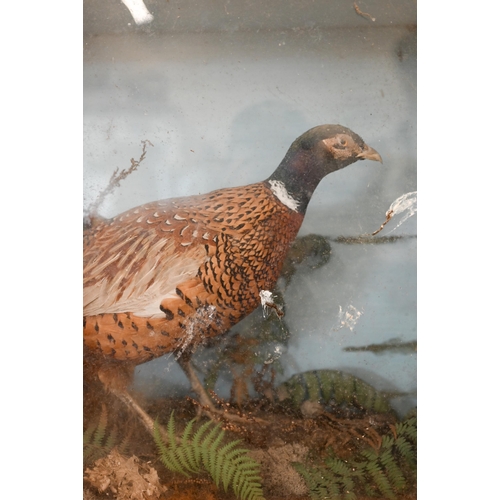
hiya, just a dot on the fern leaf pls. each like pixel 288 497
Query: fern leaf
pixel 245 470
pixel 190 455
pixel 408 428
pixel 222 463
pixel 227 464
pixel 370 454
pixel 337 466
pixel 214 453
pixel 251 488
pixel 158 440
pixel 186 435
pixel 387 442
pixel 346 482
pixel 321 492
pixel 182 455
pixel 171 430
pixel 314 482
pixel 406 450
pixel 230 464
pixel 101 427
pixel 111 440
pixel 376 473
pixel 89 432
pixel 197 440
pixel 207 450
pixel 380 479
pixel 97 442
pixel 236 483
pixel 357 469
pixel 392 469
pixel 168 454
pixel 182 451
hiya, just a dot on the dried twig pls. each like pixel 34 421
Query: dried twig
pixel 363 14
pixel 407 203
pixel 389 215
pixel 116 177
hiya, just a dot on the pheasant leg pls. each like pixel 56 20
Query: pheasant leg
pixel 116 378
pixel 206 402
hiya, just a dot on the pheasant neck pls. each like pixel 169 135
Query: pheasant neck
pixel 295 180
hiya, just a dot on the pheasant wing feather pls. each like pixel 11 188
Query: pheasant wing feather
pixel 132 264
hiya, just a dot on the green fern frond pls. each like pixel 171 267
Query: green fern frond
pixel 406 450
pixel 98 441
pixel 101 428
pixel 110 440
pixel 222 464
pixel 88 433
pixel 197 440
pixel 203 451
pixel 333 385
pixel 408 428
pixel 385 472
pixel 232 459
pixel 94 434
pixel 376 473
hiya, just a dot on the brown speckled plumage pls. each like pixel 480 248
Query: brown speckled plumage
pixel 164 276
pixel 230 244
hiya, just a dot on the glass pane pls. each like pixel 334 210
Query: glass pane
pixel 209 95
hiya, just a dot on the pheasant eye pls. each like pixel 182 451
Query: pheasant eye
pixel 342 142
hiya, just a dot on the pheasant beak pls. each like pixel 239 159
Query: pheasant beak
pixel 369 153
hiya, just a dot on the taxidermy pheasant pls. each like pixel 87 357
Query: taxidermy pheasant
pixel 165 276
